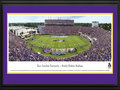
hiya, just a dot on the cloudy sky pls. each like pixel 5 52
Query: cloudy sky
pixel 77 18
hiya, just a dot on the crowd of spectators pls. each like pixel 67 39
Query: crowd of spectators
pixel 99 51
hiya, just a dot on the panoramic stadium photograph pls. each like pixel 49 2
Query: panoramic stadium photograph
pixel 60 37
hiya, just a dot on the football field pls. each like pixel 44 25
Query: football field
pixel 59 42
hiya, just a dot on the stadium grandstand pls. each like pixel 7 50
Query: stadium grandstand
pixel 100 39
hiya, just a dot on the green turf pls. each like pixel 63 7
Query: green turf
pixel 71 41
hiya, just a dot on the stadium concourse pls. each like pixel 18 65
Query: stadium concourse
pixel 99 51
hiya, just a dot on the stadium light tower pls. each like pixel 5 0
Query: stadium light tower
pixel 68 18
pixel 50 17
pixel 60 17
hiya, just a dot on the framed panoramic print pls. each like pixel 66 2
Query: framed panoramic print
pixel 60 44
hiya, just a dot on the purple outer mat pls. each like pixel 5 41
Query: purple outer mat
pixel 60 78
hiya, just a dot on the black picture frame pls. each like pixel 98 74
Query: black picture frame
pixel 56 3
